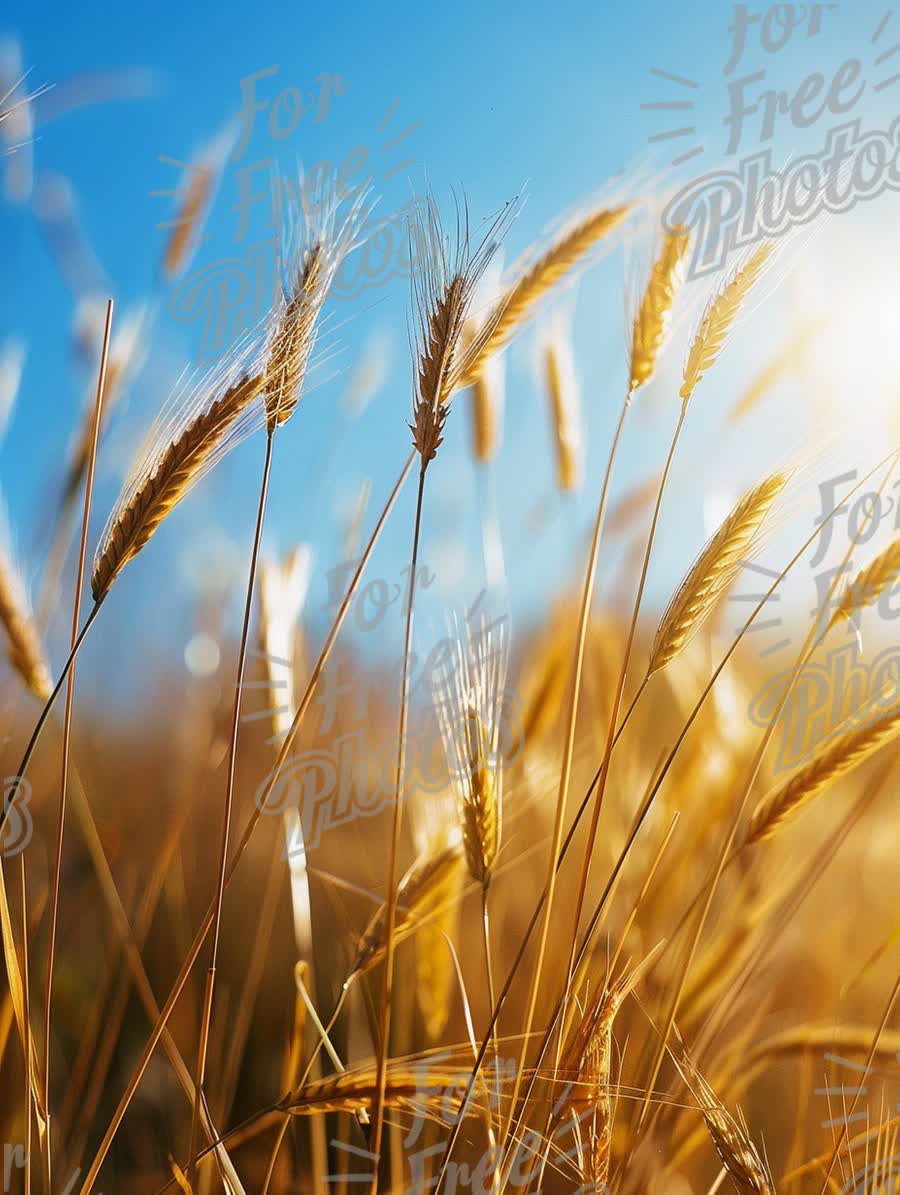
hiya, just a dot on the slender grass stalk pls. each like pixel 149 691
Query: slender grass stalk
pixel 382 1045
pixel 206 1016
pixel 67 720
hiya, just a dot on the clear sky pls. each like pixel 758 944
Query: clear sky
pixel 494 99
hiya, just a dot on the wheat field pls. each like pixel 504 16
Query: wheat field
pixel 528 905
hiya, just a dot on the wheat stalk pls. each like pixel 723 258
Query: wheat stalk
pixel 520 298
pixel 721 312
pixel 653 318
pixel 869 584
pixel 714 571
pixel 443 289
pixel 161 484
pixel 827 765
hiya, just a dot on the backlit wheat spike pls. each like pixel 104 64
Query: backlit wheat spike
pixel 565 405
pixel 443 290
pixel 740 1157
pixel 827 765
pixel 315 250
pixel 428 884
pixel 25 651
pixel 651 324
pixel 468 701
pixel 721 312
pixel 714 571
pixel 436 1089
pixel 520 298
pixel 869 584
pixel 201 432
pixel 587 1060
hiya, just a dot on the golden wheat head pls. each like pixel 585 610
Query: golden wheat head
pixel 26 653
pixel 653 318
pixel 469 705
pixel 828 764
pixel 714 571
pixel 201 430
pixel 520 298
pixel 317 240
pixel 444 286
pixel 869 584
pixel 720 315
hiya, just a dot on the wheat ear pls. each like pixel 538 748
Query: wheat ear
pixel 714 571
pixel 827 765
pixel 427 885
pixel 719 317
pixel 562 389
pixel 412 1089
pixel 869 584
pixel 520 298
pixel 25 651
pixel 168 481
pixel 738 1154
pixel 653 318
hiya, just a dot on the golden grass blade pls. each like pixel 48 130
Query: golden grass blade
pixel 653 318
pixel 829 764
pixel 719 317
pixel 715 571
pixel 869 584
pixel 522 296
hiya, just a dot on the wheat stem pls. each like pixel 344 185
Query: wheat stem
pixel 391 899
pixel 206 1018
pixel 568 755
pixel 67 719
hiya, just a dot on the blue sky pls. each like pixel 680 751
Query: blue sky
pixel 499 98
